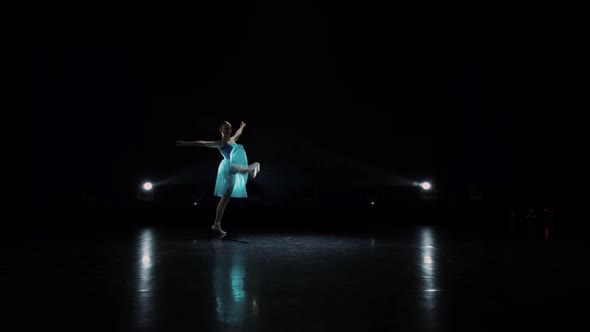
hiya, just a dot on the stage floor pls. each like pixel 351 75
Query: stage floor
pixel 420 278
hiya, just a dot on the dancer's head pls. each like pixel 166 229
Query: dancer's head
pixel 225 129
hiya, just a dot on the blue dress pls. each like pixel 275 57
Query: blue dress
pixel 229 181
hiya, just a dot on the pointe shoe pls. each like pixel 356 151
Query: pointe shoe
pixel 217 228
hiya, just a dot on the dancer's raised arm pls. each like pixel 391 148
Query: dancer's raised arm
pixel 238 132
pixel 201 144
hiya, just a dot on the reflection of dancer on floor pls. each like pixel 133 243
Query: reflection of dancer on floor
pixel 233 171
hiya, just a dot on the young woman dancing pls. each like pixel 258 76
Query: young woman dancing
pixel 233 171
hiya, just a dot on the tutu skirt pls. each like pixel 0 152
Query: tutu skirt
pixel 229 181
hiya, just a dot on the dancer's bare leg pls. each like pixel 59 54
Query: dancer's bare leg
pixel 251 169
pixel 219 213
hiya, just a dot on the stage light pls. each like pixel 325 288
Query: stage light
pixel 147 186
pixel 426 185
pixel 145 191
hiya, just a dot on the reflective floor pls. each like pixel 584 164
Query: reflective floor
pixel 413 279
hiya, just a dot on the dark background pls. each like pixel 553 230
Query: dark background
pixel 350 98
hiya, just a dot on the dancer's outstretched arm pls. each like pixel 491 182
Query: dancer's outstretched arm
pixel 238 132
pixel 201 144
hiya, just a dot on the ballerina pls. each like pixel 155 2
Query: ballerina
pixel 233 171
